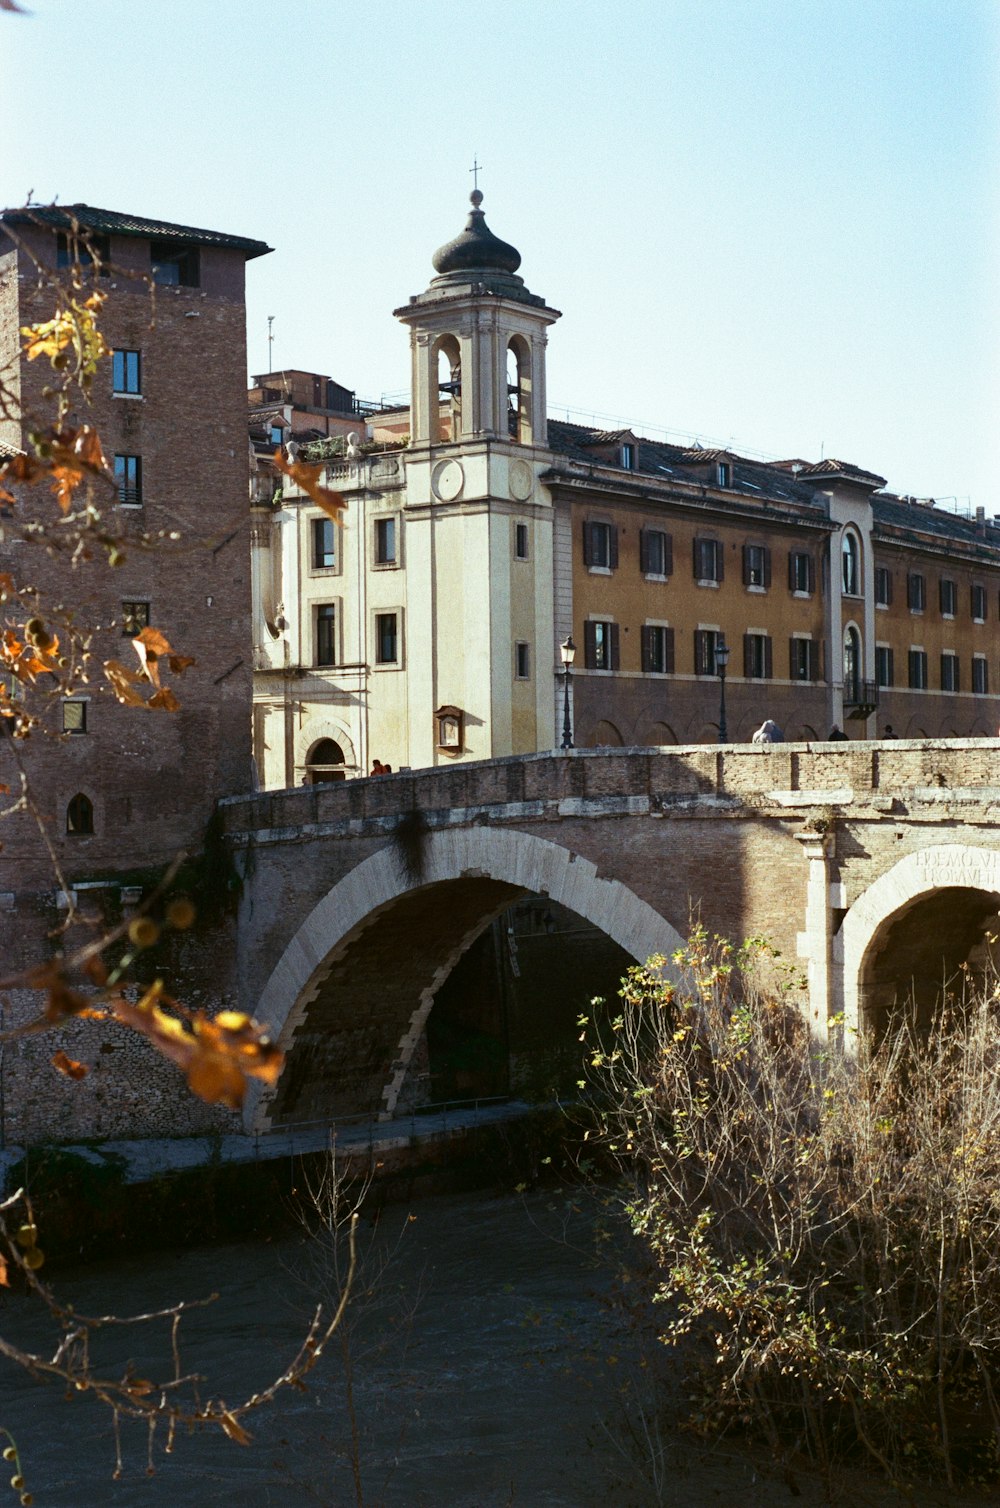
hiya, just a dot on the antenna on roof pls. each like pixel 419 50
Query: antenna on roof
pixel 270 344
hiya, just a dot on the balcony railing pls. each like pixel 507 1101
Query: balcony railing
pixel 861 699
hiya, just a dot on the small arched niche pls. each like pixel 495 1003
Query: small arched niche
pixel 519 390
pixel 325 762
pixel 606 736
pixel 446 418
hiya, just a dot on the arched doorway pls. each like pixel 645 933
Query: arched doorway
pixel 852 666
pixel 325 762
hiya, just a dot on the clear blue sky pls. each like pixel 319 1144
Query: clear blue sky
pixel 771 222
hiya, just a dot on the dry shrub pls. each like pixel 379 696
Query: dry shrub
pixel 824 1225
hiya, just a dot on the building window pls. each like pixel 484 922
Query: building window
pixel 128 476
pixel 883 586
pixel 803 659
pixel 326 638
pixel 723 474
pixel 708 560
pixel 916 592
pixel 74 717
pixel 522 660
pixel 385 541
pixel 757 657
pixel 135 617
pixel 852 666
pixel 520 541
pixel 980 675
pixel 324 544
pixel 948 593
pixel 277 434
pixel 386 639
pixel 80 816
pixel 126 372
pixel 706 642
pixel 600 645
pixel 949 672
pixel 801 572
pixel 918 670
pixel 756 566
pixel 174 266
pixel 84 251
pixel 884 668
pixel 600 546
pixel 850 565
pixel 978 595
pixel 656 552
pixel 628 457
pixel 658 649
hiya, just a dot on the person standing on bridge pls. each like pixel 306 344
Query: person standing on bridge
pixel 836 735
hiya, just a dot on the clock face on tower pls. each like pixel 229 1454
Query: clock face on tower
pixel 448 480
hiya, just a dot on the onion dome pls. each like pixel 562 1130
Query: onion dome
pixel 477 248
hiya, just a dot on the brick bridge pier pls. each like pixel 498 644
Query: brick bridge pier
pixel 875 865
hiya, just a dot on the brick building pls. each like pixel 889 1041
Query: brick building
pixel 481 534
pixel 121 791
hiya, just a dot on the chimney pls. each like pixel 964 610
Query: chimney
pixel 981 521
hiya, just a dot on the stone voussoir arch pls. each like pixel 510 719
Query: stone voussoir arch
pixel 534 865
pixel 937 867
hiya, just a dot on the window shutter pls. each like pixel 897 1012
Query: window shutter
pixel 720 560
pixel 613 547
pixel 767 566
pixel 644 552
pixel 647 647
pixel 615 661
pixel 746 565
pixel 590 645
pixel 792 557
pixel 768 661
pixel 890 667
pixel 943 602
pixel 793 660
pixel 748 655
pixel 668 651
pixel 701 651
pixel 588 545
pixel 697 561
pixel 811 572
pixel 668 555
pixel 914 668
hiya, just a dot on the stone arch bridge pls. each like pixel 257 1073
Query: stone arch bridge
pixel 875 865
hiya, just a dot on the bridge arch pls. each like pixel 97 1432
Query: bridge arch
pixel 482 870
pixel 947 891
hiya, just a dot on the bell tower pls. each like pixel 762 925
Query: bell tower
pixel 477 342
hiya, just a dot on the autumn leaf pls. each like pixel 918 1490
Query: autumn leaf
pixel 69 1066
pixel 70 338
pixel 64 458
pixel 217 1056
pixel 164 701
pixel 179 663
pixel 123 683
pixel 308 478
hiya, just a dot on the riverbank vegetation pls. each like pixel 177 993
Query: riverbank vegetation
pixel 822 1226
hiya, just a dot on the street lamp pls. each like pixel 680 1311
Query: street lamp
pixel 567 653
pixel 721 661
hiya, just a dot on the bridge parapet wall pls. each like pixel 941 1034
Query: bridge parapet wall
pixel 837 772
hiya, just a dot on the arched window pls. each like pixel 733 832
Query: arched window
pixel 852 666
pixel 519 390
pixel 326 762
pixel 80 815
pixel 850 565
pixel 446 423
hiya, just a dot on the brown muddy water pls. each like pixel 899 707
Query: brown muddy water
pixel 488 1365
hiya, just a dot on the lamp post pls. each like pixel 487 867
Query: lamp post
pixel 567 653
pixel 721 661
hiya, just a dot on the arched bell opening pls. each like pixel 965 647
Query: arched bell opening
pixel 519 390
pixel 939 949
pixel 446 419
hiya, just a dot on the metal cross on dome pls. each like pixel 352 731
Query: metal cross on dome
pixel 475 170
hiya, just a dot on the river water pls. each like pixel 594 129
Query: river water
pixel 488 1364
